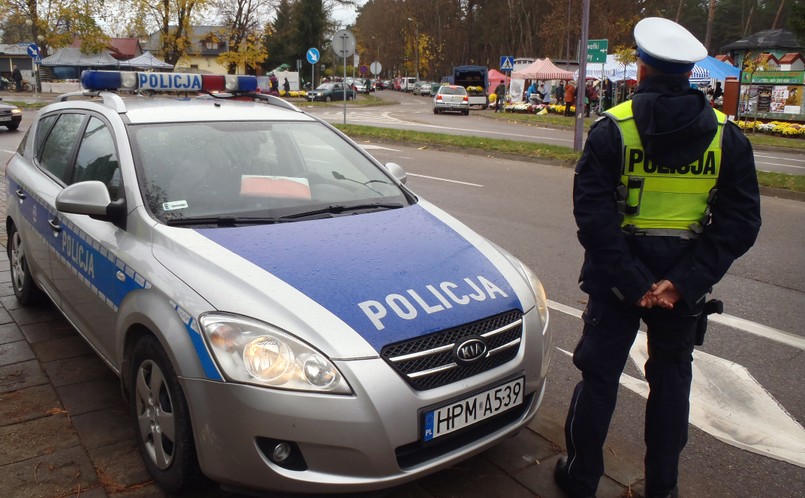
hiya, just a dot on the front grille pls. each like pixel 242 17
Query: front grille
pixel 428 362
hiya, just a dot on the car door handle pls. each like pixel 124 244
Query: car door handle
pixel 20 193
pixel 55 225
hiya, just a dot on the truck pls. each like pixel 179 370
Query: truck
pixel 476 80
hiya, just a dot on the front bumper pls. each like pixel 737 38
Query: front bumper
pixel 366 441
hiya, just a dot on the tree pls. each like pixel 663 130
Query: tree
pixel 243 21
pixel 54 24
pixel 172 19
pixel 279 37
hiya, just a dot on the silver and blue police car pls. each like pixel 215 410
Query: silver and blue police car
pixel 283 312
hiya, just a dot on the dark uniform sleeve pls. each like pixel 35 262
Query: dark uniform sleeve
pixel 609 264
pixel 735 223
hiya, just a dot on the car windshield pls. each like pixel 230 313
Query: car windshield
pixel 256 171
pixel 325 86
pixel 449 90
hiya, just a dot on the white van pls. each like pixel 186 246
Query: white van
pixel 407 83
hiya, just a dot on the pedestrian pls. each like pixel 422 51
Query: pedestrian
pixel 16 77
pixel 286 87
pixel 569 97
pixel 665 199
pixel 559 93
pixel 272 78
pixel 532 90
pixel 718 92
pixel 500 95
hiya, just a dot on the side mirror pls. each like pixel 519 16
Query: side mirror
pixel 91 198
pixel 397 172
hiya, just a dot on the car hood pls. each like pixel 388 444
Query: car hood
pixel 350 284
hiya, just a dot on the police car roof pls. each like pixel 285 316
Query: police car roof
pixel 170 110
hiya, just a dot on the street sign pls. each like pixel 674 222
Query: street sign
pixel 506 63
pixel 364 69
pixel 376 68
pixel 33 50
pixel 313 55
pixel 597 51
pixel 343 43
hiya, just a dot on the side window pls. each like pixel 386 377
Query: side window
pixel 59 144
pixel 97 158
pixel 42 130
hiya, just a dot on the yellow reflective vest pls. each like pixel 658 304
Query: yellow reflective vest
pixel 656 199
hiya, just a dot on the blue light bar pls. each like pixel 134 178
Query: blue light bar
pixel 166 82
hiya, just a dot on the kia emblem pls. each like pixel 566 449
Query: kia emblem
pixel 470 350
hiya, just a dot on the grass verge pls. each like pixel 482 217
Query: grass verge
pixel 552 153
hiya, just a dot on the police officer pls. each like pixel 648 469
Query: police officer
pixel 665 199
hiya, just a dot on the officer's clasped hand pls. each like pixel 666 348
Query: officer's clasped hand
pixel 662 294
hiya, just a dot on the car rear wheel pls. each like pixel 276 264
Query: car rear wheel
pixel 435 111
pixel 25 288
pixel 162 420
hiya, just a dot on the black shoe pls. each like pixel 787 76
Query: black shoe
pixel 562 480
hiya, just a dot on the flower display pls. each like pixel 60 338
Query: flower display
pixel 785 129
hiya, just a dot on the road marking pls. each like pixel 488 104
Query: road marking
pixel 445 180
pixel 781 165
pixel 778 157
pixel 730 405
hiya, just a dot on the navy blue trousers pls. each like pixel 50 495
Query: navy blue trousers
pixel 610 328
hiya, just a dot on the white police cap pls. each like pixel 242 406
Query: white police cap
pixel 667 46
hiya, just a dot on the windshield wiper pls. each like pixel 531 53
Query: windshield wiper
pixel 222 221
pixel 341 208
pixel 230 221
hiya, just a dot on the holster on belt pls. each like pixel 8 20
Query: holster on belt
pixel 710 307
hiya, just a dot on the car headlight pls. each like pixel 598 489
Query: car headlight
pixel 254 352
pixel 16 111
pixel 539 295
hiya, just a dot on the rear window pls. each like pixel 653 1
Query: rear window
pixel 453 90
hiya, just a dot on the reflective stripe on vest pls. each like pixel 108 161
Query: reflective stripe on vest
pixel 659 198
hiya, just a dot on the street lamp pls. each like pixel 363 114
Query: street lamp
pixel 416 46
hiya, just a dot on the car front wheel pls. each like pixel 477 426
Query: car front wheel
pixel 25 288
pixel 159 411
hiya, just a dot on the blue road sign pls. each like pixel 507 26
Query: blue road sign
pixel 313 55
pixel 33 50
pixel 507 63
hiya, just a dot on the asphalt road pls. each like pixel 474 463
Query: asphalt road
pixel 746 428
pixel 415 112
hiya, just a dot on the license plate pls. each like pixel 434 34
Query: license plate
pixel 473 409
pixel 5 118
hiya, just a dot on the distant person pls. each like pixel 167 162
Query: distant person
pixel 532 90
pixel 559 93
pixel 286 86
pixel 16 77
pixel 718 92
pixel 500 96
pixel 570 96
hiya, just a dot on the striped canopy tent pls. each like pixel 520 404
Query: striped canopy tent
pixel 542 69
pixel 611 69
pixel 699 75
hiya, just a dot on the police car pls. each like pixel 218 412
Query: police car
pixel 283 312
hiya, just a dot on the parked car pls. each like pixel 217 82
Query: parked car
pixel 434 88
pixel 10 116
pixel 421 88
pixel 284 313
pixel 327 92
pixel 452 98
